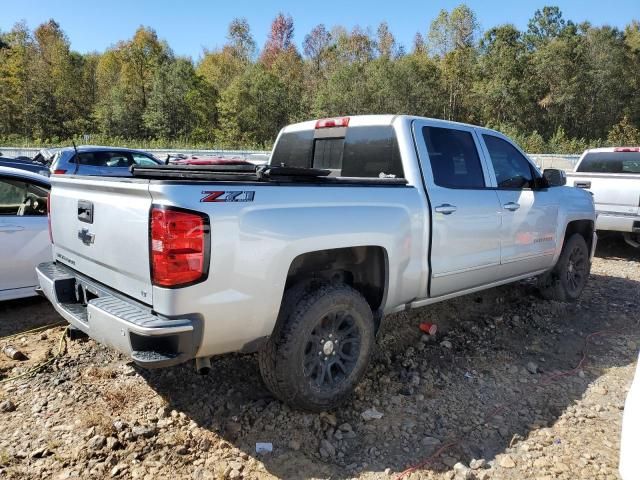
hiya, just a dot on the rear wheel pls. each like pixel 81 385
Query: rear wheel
pixel 321 347
pixel 568 278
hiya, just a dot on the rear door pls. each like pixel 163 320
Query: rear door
pixel 465 213
pixel 529 216
pixel 24 236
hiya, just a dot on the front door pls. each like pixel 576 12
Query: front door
pixel 529 215
pixel 24 236
pixel 465 213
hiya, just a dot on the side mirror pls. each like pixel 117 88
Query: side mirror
pixel 555 177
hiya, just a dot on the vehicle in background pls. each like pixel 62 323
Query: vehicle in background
pixel 27 165
pixel 24 236
pixel 612 175
pixel 354 218
pixel 258 158
pixel 104 161
pixel 183 159
pixel 45 156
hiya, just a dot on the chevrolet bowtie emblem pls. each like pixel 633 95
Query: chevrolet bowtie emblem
pixel 86 236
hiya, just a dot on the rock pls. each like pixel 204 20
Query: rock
pixel 294 445
pixel 387 471
pixel 462 472
pixel 430 441
pixel 328 447
pixel 329 418
pixel 345 427
pixel 532 367
pixel 142 431
pixel 119 425
pixel 477 464
pixel 506 462
pixel 7 406
pixel 446 344
pixel 97 442
pixel 234 474
pixel 371 414
pixel 118 469
pixel 113 443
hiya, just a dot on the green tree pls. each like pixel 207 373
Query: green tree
pixel 253 109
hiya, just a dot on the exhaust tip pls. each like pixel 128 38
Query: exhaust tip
pixel 203 365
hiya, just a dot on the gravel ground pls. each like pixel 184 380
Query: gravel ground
pixel 495 394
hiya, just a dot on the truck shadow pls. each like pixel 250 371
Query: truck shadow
pixel 429 394
pixel 613 246
pixel 25 314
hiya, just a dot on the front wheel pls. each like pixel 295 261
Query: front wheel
pixel 568 278
pixel 321 347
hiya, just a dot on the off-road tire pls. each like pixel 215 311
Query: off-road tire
pixel 284 359
pixel 568 278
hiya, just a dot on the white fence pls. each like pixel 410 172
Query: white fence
pixel 546 160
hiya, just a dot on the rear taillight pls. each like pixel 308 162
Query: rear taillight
pixel 59 171
pixel 626 149
pixel 49 216
pixel 333 122
pixel 179 246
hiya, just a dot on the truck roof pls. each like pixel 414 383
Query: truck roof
pixel 612 150
pixel 371 120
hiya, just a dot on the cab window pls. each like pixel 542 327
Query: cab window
pixel 513 170
pixel 454 158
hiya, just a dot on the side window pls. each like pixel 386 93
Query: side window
pixel 139 159
pixel 21 198
pixel 512 169
pixel 105 159
pixel 117 159
pixel 454 158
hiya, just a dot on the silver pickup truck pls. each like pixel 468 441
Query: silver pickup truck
pixel 299 260
pixel 613 176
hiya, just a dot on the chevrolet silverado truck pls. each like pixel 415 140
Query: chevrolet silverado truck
pixel 299 260
pixel 613 176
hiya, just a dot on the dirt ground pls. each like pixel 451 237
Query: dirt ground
pixel 502 392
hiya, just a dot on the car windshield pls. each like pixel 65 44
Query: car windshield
pixel 610 162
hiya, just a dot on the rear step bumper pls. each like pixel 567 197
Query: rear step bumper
pixel 149 340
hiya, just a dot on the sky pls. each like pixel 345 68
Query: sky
pixel 191 26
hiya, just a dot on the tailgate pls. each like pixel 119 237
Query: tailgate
pixel 100 228
pixel 612 193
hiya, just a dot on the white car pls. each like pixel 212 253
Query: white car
pixel 24 236
pixel 631 432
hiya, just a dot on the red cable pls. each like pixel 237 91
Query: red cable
pixel 502 407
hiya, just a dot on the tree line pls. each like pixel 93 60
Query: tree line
pixel 558 86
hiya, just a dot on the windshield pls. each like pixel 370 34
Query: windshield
pixel 610 162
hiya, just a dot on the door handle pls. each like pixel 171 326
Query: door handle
pixel 579 184
pixel 511 206
pixel 446 209
pixel 11 228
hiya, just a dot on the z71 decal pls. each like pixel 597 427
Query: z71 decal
pixel 240 196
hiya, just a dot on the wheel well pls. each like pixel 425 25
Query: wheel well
pixel 583 227
pixel 363 268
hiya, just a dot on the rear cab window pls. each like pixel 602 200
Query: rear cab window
pixel 355 151
pixel 454 158
pixel 610 162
